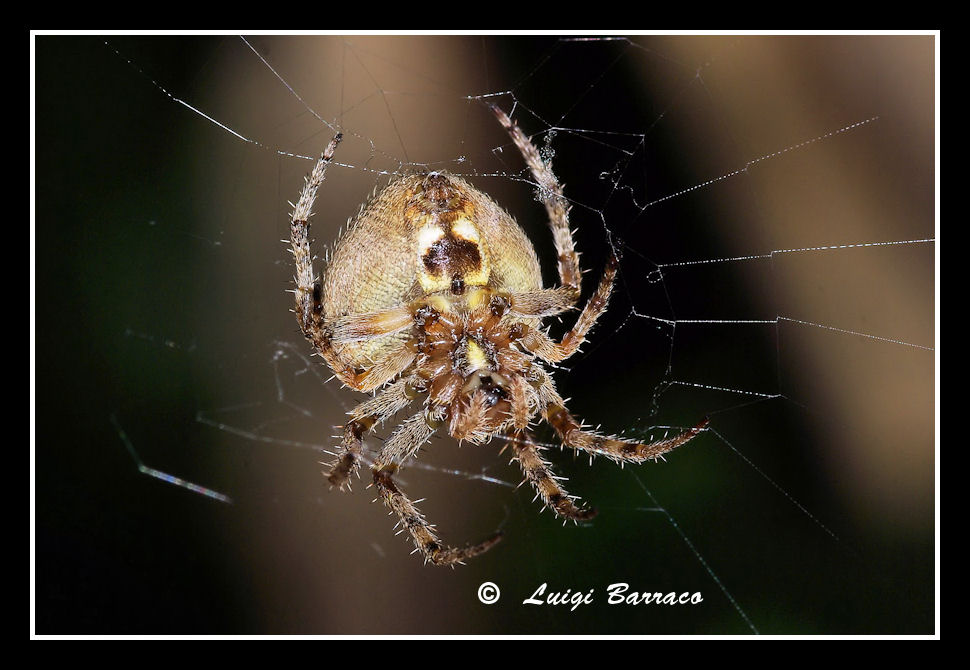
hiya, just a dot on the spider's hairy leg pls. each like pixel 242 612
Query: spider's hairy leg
pixel 308 306
pixel 551 194
pixel 543 302
pixel 362 419
pixel 523 399
pixel 384 369
pixel 539 474
pixel 308 292
pixel 548 349
pixel 357 327
pixel 625 451
pixel 469 418
pixel 348 460
pixel 420 530
pixel 405 441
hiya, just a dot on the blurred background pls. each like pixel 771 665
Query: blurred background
pixel 164 337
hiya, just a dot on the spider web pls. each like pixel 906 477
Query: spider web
pixel 773 199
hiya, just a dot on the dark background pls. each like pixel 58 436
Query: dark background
pixel 161 313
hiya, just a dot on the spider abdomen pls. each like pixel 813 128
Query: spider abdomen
pixel 423 235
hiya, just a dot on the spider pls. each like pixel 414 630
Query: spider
pixel 434 292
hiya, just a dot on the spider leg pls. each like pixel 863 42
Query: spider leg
pixel 309 309
pixel 537 471
pixel 348 460
pixel 550 192
pixel 421 531
pixel 309 306
pixel 399 447
pixel 625 451
pixel 543 302
pixel 308 292
pixel 354 328
pixel 362 419
pixel 405 441
pixel 470 422
pixel 384 369
pixel 523 400
pixel 548 349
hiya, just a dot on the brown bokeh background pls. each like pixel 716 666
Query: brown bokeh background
pixel 812 501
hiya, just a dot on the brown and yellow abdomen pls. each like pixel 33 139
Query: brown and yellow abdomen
pixel 423 234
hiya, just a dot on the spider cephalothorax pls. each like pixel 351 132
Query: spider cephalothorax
pixel 434 294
